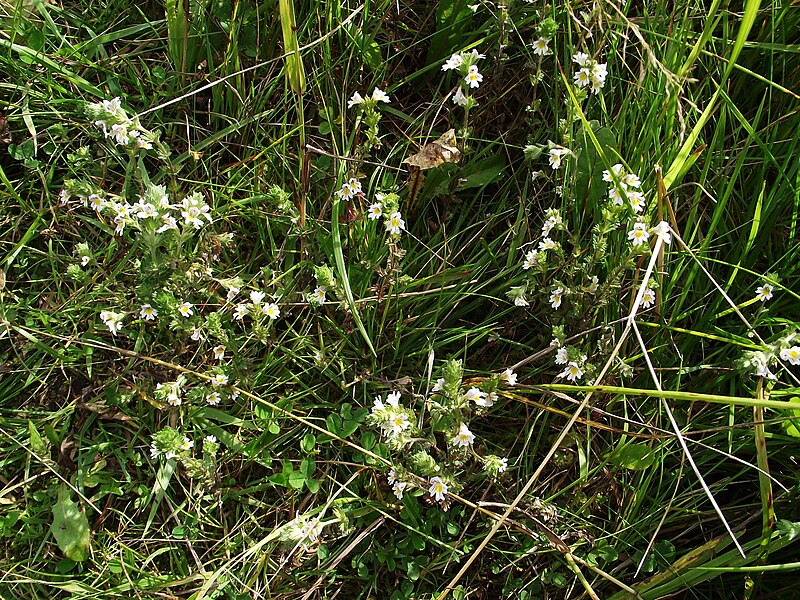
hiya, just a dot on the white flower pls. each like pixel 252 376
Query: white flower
pixel 393 399
pixel 583 77
pixel 85 260
pixel 63 197
pixel 148 313
pixel 319 294
pixel 764 292
pixel 762 369
pixel 398 424
pixel 540 47
pixel 464 437
pixel 378 95
pixel 556 297
pixel 556 155
pixel 345 192
pixel 169 454
pixel 618 170
pixel 96 202
pixel 173 399
pixel 475 395
pixel 213 398
pixel 438 386
pixel 233 291
pixel 169 222
pixel 438 489
pixel 197 333
pixel 460 98
pixel 272 311
pixel 473 78
pixel 452 63
pixel 648 298
pixel 154 451
pixel 239 312
pixel 662 230
pixel 187 444
pixel 398 487
pixel 257 297
pixel 120 133
pixel 120 221
pixel 486 400
pixel 555 343
pixel 631 180
pixel 636 200
pixel 616 195
pixel 580 58
pixel 792 355
pixel 562 357
pixel 210 439
pixel 520 301
pixel 547 244
pixel 114 323
pixel 378 404
pixel 530 259
pixel 218 379
pixel 573 372
pixel 509 377
pixel 395 223
pixel 475 56
pixel 186 309
pixel 355 99
pixel 592 287
pixel 355 185
pixel 639 234
pixel 375 211
pixel 219 352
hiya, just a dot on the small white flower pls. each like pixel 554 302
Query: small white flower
pixel 583 77
pixel 573 372
pixel 486 400
pixel 148 313
pixel 120 133
pixel 503 465
pixel 662 230
pixel 473 78
pixel 186 309
pixel 210 439
pixel 555 343
pixel 438 386
pixel 169 454
pixel 393 399
pixel 219 379
pixel 96 202
pixel 233 291
pixel 764 292
pixel 639 234
pixel 319 294
pixel 509 377
pixel 398 487
pixel 547 244
pixel 562 357
pixel 398 424
pixel 648 298
pixel 345 192
pixel 475 395
pixel 617 195
pixel 213 398
pixel 464 437
pixel 187 444
pixel 631 180
pixel 378 95
pixel 556 297
pixel 197 333
pixel 219 352
pixel 475 56
pixel 173 399
pixel 85 260
pixel 556 156
pixel 540 47
pixel 395 223
pixel 240 312
pixel 452 63
pixel 636 200
pixel 272 311
pixel 378 404
pixel 580 58
pixel 257 297
pixel 375 211
pixel 792 355
pixel 460 98
pixel 530 259
pixel 520 301
pixel 618 170
pixel 593 285
pixel 438 489
pixel 354 100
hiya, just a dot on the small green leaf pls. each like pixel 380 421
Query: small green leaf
pixel 633 456
pixel 70 527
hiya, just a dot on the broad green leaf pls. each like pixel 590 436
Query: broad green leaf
pixel 633 456
pixel 70 527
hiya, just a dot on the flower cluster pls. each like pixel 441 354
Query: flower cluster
pixel 350 190
pixel 624 188
pixel 387 206
pixel 395 420
pixel 591 74
pixel 465 64
pixel 572 358
pixel 369 110
pixel 759 362
pixel 112 320
pixel 256 308
pixel 115 123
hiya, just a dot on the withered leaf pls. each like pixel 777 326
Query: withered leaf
pixel 438 152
